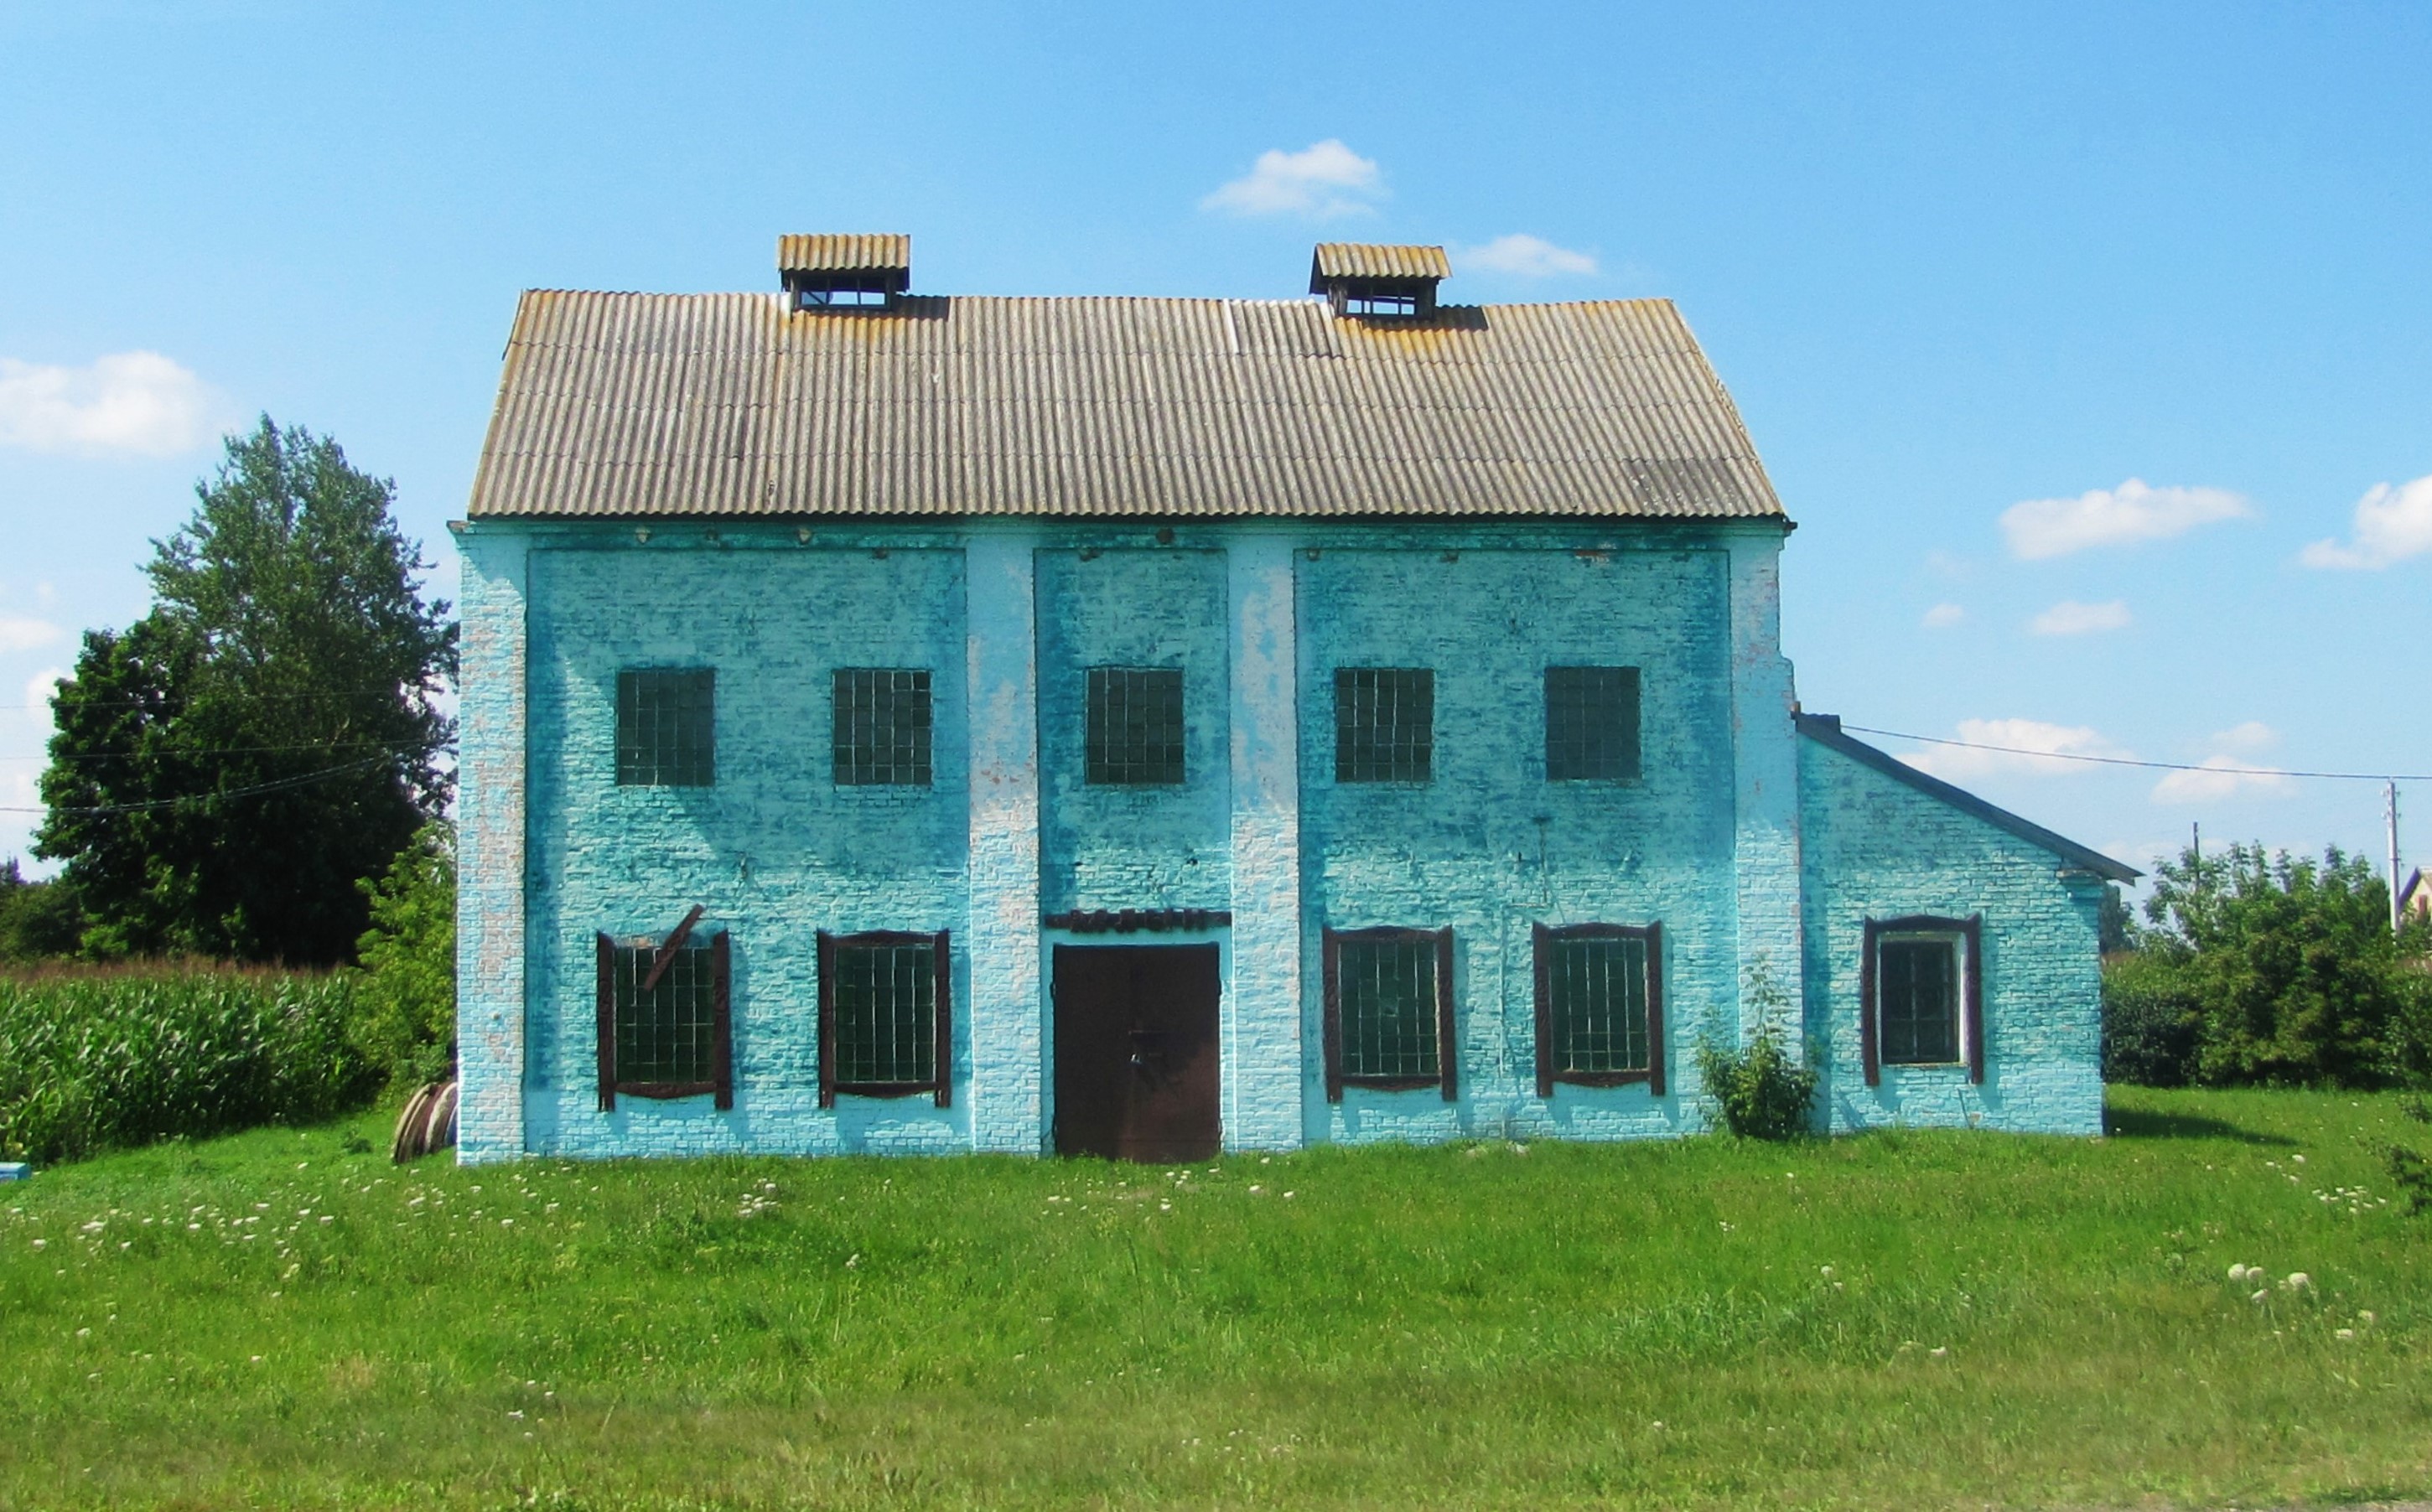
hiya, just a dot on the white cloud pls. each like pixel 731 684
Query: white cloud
pixel 2252 735
pixel 2391 524
pixel 2025 746
pixel 38 689
pixel 2211 785
pixel 1322 179
pixel 133 401
pixel 2069 617
pixel 1948 564
pixel 1531 257
pixel 2039 528
pixel 1942 616
pixel 21 632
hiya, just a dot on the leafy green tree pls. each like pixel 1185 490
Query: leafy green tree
pixel 2291 969
pixel 227 768
pixel 405 1019
pixel 38 920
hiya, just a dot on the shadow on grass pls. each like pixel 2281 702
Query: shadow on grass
pixel 2144 1123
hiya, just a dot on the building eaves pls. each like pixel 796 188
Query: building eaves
pixel 1825 730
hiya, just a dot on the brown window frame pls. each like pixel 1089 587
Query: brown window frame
pixel 1447 1047
pixel 941 1087
pixel 721 1085
pixel 1547 1072
pixel 1969 933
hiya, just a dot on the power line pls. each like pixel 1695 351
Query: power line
pixel 106 810
pixel 213 750
pixel 2129 761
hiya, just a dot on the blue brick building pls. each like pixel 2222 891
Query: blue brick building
pixel 1135 726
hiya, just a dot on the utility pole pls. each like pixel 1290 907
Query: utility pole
pixel 2389 795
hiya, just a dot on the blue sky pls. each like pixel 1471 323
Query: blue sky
pixel 2069 334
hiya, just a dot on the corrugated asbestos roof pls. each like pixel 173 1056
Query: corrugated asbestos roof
pixel 842 254
pixel 729 405
pixel 1370 259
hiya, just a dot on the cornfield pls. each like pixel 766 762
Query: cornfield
pixel 102 1060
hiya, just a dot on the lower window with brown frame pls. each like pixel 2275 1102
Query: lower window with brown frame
pixel 886 1022
pixel 666 1022
pixel 1921 996
pixel 1388 1020
pixel 1600 1006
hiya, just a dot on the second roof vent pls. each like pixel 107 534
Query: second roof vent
pixel 844 272
pixel 1366 278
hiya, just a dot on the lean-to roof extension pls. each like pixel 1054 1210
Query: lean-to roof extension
pixel 736 405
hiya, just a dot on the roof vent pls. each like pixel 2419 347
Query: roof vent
pixel 1363 278
pixel 844 272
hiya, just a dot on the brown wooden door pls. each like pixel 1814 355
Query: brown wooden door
pixel 1136 1067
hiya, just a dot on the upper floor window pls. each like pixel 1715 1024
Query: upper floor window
pixel 882 727
pixel 664 1025
pixel 1134 734
pixel 1599 1006
pixel 667 721
pixel 1920 999
pixel 1388 1020
pixel 886 1015
pixel 1591 724
pixel 1384 724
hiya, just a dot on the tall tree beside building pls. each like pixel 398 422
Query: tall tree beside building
pixel 231 765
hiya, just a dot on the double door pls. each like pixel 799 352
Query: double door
pixel 1136 1053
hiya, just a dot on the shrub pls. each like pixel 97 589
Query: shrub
pixel 2289 962
pixel 93 1060
pixel 1763 1090
pixel 405 1019
pixel 2151 1022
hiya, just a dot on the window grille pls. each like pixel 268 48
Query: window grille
pixel 1591 724
pixel 664 1022
pixel 1389 1015
pixel 886 1015
pixel 1921 995
pixel 1134 724
pixel 1600 1006
pixel 1384 724
pixel 882 727
pixel 666 727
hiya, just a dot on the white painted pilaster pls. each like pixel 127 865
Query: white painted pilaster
pixel 1008 1006
pixel 1765 780
pixel 1261 1022
pixel 492 771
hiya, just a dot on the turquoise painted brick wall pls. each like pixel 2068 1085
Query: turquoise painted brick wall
pixel 1006 618
pixel 775 850
pixel 1108 847
pixel 1490 846
pixel 1877 848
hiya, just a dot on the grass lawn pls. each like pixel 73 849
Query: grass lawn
pixel 1910 1320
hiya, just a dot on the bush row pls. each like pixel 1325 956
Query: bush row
pixel 93 1060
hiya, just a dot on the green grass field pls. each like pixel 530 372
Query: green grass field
pixel 1910 1320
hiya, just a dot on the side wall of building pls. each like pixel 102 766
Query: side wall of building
pixel 1877 848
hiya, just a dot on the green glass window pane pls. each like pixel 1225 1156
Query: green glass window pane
pixel 1599 996
pixel 1591 724
pixel 667 727
pixel 882 727
pixel 1133 734
pixel 1384 724
pixel 667 1033
pixel 1387 999
pixel 1917 991
pixel 885 999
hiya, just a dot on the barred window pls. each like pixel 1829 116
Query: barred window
pixel 1134 724
pixel 1384 724
pixel 1599 1006
pixel 1389 1017
pixel 667 727
pixel 665 1026
pixel 886 1015
pixel 1919 987
pixel 1591 724
pixel 882 727
pixel 1920 996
